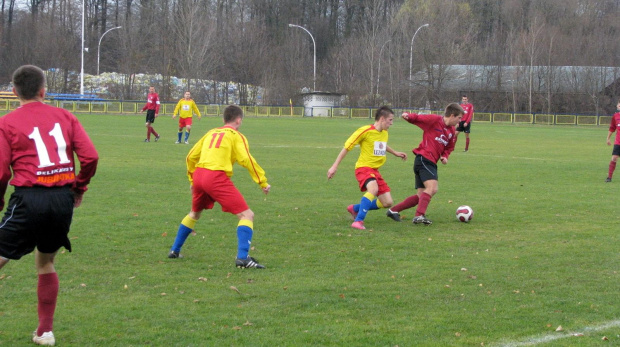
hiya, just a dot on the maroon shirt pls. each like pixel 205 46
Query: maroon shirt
pixel 152 103
pixel 468 112
pixel 37 143
pixel 438 138
pixel 615 126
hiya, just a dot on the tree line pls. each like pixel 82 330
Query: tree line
pixel 554 56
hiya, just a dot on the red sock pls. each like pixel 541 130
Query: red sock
pixel 612 168
pixel 154 132
pixel 405 204
pixel 47 292
pixel 467 143
pixel 425 199
pixel 148 133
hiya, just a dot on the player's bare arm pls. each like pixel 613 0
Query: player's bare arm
pixel 332 170
pixel 401 155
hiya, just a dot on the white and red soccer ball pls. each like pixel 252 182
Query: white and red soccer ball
pixel 464 213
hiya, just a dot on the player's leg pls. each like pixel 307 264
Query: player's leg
pixel 188 128
pixel 467 140
pixel 47 294
pixel 3 261
pixel 365 205
pixel 612 164
pixel 185 229
pixel 148 131
pixel 179 134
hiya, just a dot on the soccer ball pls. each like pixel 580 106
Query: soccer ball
pixel 464 213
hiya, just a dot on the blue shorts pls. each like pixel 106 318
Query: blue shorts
pixel 36 217
pixel 424 170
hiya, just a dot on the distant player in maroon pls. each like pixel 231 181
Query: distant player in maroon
pixel 614 126
pixel 437 143
pixel 38 146
pixel 152 110
pixel 465 123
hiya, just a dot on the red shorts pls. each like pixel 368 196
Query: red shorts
pixel 214 186
pixel 183 122
pixel 363 174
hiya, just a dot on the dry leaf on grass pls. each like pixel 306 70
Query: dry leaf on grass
pixel 235 289
pixel 559 328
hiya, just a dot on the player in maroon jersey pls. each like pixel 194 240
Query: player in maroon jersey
pixel 465 123
pixel 437 143
pixel 614 126
pixel 37 147
pixel 152 110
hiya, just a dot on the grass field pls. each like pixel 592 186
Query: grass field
pixel 541 252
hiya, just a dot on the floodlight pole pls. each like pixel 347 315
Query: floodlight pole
pixel 314 44
pixel 99 46
pixel 379 67
pixel 82 68
pixel 411 61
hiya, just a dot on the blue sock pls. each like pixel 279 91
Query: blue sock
pixel 365 206
pixel 179 135
pixel 244 239
pixel 375 205
pixel 186 136
pixel 182 235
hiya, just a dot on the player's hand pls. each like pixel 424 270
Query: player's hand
pixel 401 155
pixel 443 160
pixel 464 124
pixel 608 143
pixel 173 116
pixel 266 189
pixel 331 172
pixel 405 115
pixel 77 199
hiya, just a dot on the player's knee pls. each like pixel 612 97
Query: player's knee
pixel 247 214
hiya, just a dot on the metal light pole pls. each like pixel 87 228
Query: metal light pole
pixel 99 46
pixel 314 44
pixel 82 69
pixel 379 67
pixel 411 61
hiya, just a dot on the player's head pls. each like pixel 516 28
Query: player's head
pixel 453 114
pixel 151 89
pixel 29 82
pixel 618 106
pixel 464 99
pixel 232 113
pixel 384 116
pixel 187 95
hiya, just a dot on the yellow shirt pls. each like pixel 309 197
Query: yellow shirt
pixel 185 108
pixel 219 149
pixel 373 146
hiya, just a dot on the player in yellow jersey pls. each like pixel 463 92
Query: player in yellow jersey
pixel 185 108
pixel 372 140
pixel 209 168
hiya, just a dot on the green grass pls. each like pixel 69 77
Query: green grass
pixel 542 250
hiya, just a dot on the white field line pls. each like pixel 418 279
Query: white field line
pixel 536 340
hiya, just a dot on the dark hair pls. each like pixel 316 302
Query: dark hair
pixel 453 109
pixel 232 112
pixel 28 80
pixel 383 111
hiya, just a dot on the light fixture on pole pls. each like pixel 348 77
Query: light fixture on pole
pixel 314 44
pixel 99 46
pixel 411 61
pixel 379 67
pixel 82 68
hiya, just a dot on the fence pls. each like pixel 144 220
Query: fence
pixel 133 107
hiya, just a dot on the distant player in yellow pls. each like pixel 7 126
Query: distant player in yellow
pixel 185 108
pixel 209 168
pixel 372 140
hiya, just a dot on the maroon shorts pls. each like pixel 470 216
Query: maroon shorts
pixel 183 122
pixel 364 174
pixel 214 186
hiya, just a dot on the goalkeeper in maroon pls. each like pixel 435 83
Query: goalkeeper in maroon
pixel 437 143
pixel 38 147
pixel 614 126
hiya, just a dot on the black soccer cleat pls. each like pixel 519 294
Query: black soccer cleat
pixel 394 215
pixel 422 220
pixel 247 263
pixel 608 179
pixel 174 255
